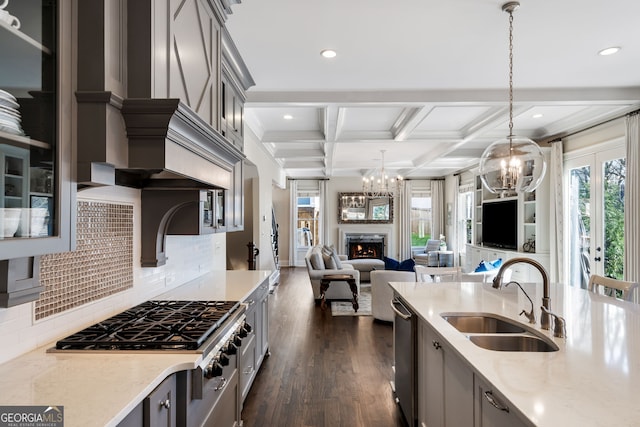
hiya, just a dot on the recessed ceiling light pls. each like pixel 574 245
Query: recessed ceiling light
pixel 287 117
pixel 328 53
pixel 609 51
pixel 537 116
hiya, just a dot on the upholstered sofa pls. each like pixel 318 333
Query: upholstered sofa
pixel 382 293
pixel 317 268
pixel 365 266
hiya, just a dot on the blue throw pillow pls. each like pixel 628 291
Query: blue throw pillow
pixel 481 267
pixel 488 265
pixel 407 265
pixel 392 264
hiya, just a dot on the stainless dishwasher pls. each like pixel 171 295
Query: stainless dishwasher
pixel 404 345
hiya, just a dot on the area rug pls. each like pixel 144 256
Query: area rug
pixel 345 308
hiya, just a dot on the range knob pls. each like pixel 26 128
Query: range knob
pixel 231 348
pixel 213 369
pixel 237 340
pixel 224 359
pixel 242 332
pixel 247 327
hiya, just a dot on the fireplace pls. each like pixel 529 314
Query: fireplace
pixel 365 246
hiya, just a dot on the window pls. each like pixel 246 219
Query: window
pixel 465 218
pixel 420 220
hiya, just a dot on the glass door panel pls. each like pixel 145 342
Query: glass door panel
pixel 613 185
pixel 595 216
pixel 579 224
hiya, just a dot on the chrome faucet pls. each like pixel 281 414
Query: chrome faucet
pixel 546 301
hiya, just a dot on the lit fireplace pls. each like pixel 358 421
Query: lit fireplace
pixel 365 247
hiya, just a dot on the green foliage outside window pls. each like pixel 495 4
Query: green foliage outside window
pixel 419 241
pixel 614 180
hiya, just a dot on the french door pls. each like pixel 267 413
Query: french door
pixel 594 215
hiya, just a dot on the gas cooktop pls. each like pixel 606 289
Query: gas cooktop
pixel 154 325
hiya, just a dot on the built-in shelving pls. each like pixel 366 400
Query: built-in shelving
pixel 533 214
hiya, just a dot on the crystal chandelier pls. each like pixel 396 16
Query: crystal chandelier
pixel 379 184
pixel 514 164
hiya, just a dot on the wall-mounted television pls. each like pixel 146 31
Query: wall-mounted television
pixel 500 224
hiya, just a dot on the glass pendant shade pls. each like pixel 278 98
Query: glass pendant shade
pixel 512 165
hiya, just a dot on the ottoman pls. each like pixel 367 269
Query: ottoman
pixel 366 266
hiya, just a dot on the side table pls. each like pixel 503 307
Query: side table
pixel 326 281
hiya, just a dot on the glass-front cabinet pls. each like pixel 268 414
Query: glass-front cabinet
pixel 35 124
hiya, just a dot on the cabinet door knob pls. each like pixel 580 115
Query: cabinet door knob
pixel 436 345
pixel 165 404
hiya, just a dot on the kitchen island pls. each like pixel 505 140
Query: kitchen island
pixel 100 388
pixel 592 380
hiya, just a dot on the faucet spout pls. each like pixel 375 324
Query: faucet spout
pixel 546 300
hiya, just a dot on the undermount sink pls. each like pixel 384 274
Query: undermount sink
pixel 482 323
pixel 513 343
pixel 494 332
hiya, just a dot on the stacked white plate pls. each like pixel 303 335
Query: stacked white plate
pixel 9 114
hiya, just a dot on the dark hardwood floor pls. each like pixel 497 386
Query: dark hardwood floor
pixel 323 370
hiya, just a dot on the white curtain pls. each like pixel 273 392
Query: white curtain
pixel 324 213
pixel 632 201
pixel 293 220
pixel 404 222
pixel 451 216
pixel 437 208
pixel 556 171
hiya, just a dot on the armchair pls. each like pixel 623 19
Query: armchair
pixel 431 256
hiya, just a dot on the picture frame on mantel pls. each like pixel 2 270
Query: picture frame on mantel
pixel 358 208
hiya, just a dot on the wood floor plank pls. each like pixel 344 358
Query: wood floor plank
pixel 323 371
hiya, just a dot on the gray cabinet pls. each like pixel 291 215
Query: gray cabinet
pixel 36 88
pixel 235 201
pixel 232 113
pixel 160 406
pixel 258 339
pixel 492 409
pixel 445 382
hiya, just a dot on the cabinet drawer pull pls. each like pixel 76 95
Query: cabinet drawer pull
pixel 494 402
pixel 221 384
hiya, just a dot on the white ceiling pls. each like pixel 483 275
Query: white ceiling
pixel 427 80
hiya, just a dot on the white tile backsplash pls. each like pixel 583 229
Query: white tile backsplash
pixel 188 258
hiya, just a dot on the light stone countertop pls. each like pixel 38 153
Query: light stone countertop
pixel 100 389
pixel 593 380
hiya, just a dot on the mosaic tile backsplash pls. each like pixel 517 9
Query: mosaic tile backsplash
pixel 101 265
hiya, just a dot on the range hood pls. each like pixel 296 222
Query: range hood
pixel 170 146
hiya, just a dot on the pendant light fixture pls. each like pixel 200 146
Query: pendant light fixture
pixel 379 184
pixel 514 164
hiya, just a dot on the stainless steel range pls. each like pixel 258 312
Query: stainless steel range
pixel 216 329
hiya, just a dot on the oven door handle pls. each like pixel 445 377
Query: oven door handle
pixel 403 316
pixel 222 384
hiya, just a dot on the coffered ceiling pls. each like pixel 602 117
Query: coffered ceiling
pixel 427 80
